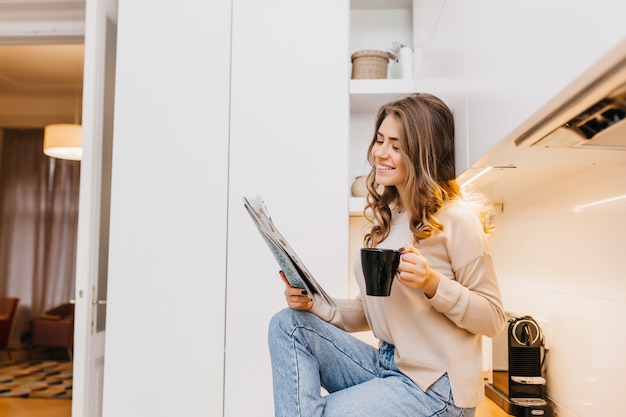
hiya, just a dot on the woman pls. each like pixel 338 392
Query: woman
pixel 445 297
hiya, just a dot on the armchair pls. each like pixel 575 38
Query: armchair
pixel 8 308
pixel 55 328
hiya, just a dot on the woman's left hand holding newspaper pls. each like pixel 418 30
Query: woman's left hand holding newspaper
pixel 297 298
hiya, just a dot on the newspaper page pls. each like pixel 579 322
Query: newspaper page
pixel 297 274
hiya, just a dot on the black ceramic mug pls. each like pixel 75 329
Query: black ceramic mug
pixel 379 268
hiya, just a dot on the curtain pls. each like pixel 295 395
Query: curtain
pixel 38 222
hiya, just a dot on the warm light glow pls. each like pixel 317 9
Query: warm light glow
pixel 475 177
pixel 63 141
pixel 582 207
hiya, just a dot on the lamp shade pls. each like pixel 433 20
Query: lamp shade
pixel 63 141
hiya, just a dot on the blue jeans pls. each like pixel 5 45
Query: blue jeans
pixel 309 354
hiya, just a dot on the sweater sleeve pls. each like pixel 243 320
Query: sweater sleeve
pixel 471 298
pixel 347 314
pixel 473 301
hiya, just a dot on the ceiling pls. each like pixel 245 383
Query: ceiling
pixel 41 69
pixel 41 62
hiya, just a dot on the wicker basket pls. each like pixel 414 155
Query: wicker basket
pixel 359 187
pixel 369 64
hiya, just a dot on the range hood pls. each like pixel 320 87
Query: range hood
pixel 591 115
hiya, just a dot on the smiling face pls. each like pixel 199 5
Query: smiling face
pixel 412 158
pixel 387 155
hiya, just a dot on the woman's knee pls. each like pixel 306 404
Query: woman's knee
pixel 280 323
pixel 286 320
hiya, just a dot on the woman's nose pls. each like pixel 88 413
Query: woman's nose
pixel 380 151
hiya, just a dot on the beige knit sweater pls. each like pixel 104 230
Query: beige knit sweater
pixel 441 334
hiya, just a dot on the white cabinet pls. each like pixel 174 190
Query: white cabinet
pixel 288 143
pixel 167 253
pixel 510 58
pixel 540 48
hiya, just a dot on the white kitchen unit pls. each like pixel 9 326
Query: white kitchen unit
pixel 168 227
pixel 289 144
pixel 522 54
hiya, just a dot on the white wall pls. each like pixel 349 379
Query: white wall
pixel 166 295
pixel 568 268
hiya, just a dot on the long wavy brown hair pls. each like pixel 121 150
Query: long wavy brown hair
pixel 427 145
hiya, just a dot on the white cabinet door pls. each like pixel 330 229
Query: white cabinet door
pixel 167 257
pixel 522 54
pixel 288 143
pixel 504 60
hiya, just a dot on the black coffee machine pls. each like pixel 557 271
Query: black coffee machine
pixel 518 384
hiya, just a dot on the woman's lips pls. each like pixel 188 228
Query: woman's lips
pixel 384 167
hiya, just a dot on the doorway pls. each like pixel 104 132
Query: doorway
pixel 41 83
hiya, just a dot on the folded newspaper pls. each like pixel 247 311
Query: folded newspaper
pixel 297 274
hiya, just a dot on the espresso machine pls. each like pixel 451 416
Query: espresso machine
pixel 518 384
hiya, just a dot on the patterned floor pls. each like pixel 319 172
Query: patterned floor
pixel 36 379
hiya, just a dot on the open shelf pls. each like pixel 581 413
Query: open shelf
pixel 366 96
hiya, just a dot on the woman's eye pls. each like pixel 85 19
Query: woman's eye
pixel 396 147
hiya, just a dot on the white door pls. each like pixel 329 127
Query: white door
pixel 95 191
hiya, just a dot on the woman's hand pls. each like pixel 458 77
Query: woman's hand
pixel 297 298
pixel 414 272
